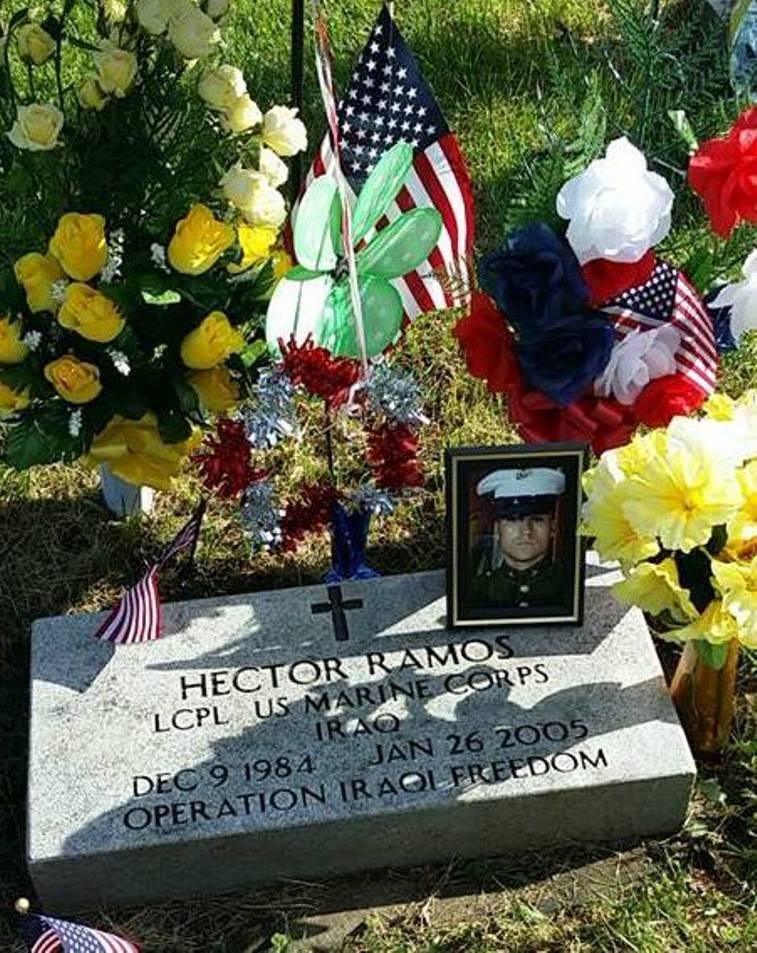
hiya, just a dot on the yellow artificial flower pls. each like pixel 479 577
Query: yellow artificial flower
pixel 742 528
pixel 719 407
pixel 281 263
pixel 37 274
pixel 615 537
pixel 116 69
pixel 12 400
pixel 12 350
pixel 211 343
pixel 634 456
pixel 199 241
pixel 36 127
pixel 135 452
pixel 35 45
pixel 216 389
pixel 90 95
pixel 679 496
pixel 256 242
pixel 737 584
pixel 90 313
pixel 655 588
pixel 79 245
pixel 76 381
pixel 714 625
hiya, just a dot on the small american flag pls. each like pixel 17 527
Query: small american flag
pixel 387 100
pixel 667 297
pixel 48 935
pixel 137 617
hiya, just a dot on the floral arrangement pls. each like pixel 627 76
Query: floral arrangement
pixel 678 509
pixel 133 289
pixel 587 333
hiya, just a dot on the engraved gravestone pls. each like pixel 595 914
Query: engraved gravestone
pixel 314 731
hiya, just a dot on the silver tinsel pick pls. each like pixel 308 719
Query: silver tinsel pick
pixel 274 415
pixel 373 499
pixel 395 393
pixel 260 516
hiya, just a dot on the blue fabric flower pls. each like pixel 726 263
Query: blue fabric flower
pixel 535 278
pixel 564 360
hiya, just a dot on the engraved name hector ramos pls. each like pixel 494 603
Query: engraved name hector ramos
pixel 456 758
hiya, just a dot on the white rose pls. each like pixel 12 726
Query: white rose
pixel 284 132
pixel 637 359
pixel 191 31
pixel 153 15
pixel 254 196
pixel 35 45
pixel 217 8
pixel 222 86
pixel 116 70
pixel 243 114
pixel 273 168
pixel 90 95
pixel 617 208
pixel 741 298
pixel 37 127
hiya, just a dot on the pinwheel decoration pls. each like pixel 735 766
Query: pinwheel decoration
pixel 314 297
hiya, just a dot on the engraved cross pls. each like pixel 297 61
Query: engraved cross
pixel 336 606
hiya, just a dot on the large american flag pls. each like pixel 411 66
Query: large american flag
pixel 387 100
pixel 137 617
pixel 667 297
pixel 48 935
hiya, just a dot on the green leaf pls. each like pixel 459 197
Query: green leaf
pixel 125 401
pixel 713 656
pixel 173 426
pixel 165 297
pixel 18 17
pixel 403 245
pixel 189 402
pixel 381 188
pixel 382 318
pixel 253 352
pixel 313 244
pixel 683 127
pixel 41 437
pixel 299 273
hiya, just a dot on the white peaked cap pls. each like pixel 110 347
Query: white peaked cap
pixel 536 481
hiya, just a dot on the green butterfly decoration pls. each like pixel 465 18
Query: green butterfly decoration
pixel 314 296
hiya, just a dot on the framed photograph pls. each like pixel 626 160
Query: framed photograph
pixel 515 555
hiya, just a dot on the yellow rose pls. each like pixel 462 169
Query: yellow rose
pixel 36 274
pixel 12 351
pixel 191 31
pixel 12 400
pixel 79 245
pixel 90 95
pixel 90 313
pixel 216 389
pixel 76 381
pixel 35 45
pixel 37 127
pixel 221 86
pixel 135 452
pixel 199 241
pixel 116 70
pixel 256 242
pixel 210 343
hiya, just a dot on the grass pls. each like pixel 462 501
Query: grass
pixel 512 76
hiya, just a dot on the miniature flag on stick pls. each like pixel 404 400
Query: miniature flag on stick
pixel 48 935
pixel 387 100
pixel 137 617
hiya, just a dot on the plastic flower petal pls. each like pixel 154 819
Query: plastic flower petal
pixel 637 359
pixel 741 298
pixel 742 528
pixel 714 625
pixel 604 519
pixel 617 208
pixel 655 588
pixel 737 584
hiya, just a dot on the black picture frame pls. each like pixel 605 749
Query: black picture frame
pixel 563 573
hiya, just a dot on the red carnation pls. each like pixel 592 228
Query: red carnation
pixel 666 398
pixel 392 454
pixel 724 173
pixel 224 461
pixel 607 279
pixel 318 371
pixel 488 345
pixel 309 512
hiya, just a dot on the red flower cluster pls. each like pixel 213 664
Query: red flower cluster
pixel 308 512
pixel 393 456
pixel 607 279
pixel 318 371
pixel 224 461
pixel 724 173
pixel 489 349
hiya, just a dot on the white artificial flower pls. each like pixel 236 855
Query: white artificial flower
pixel 74 423
pixel 191 31
pixel 741 298
pixel 37 127
pixel 58 290
pixel 617 208
pixel 217 8
pixel 221 86
pixel 254 196
pixel 116 69
pixel 241 115
pixel 32 340
pixel 158 256
pixel 153 15
pixel 637 359
pixel 728 443
pixel 273 168
pixel 120 361
pixel 284 132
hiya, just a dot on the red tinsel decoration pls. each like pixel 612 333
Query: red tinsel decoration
pixel 392 455
pixel 224 460
pixel 309 512
pixel 318 371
